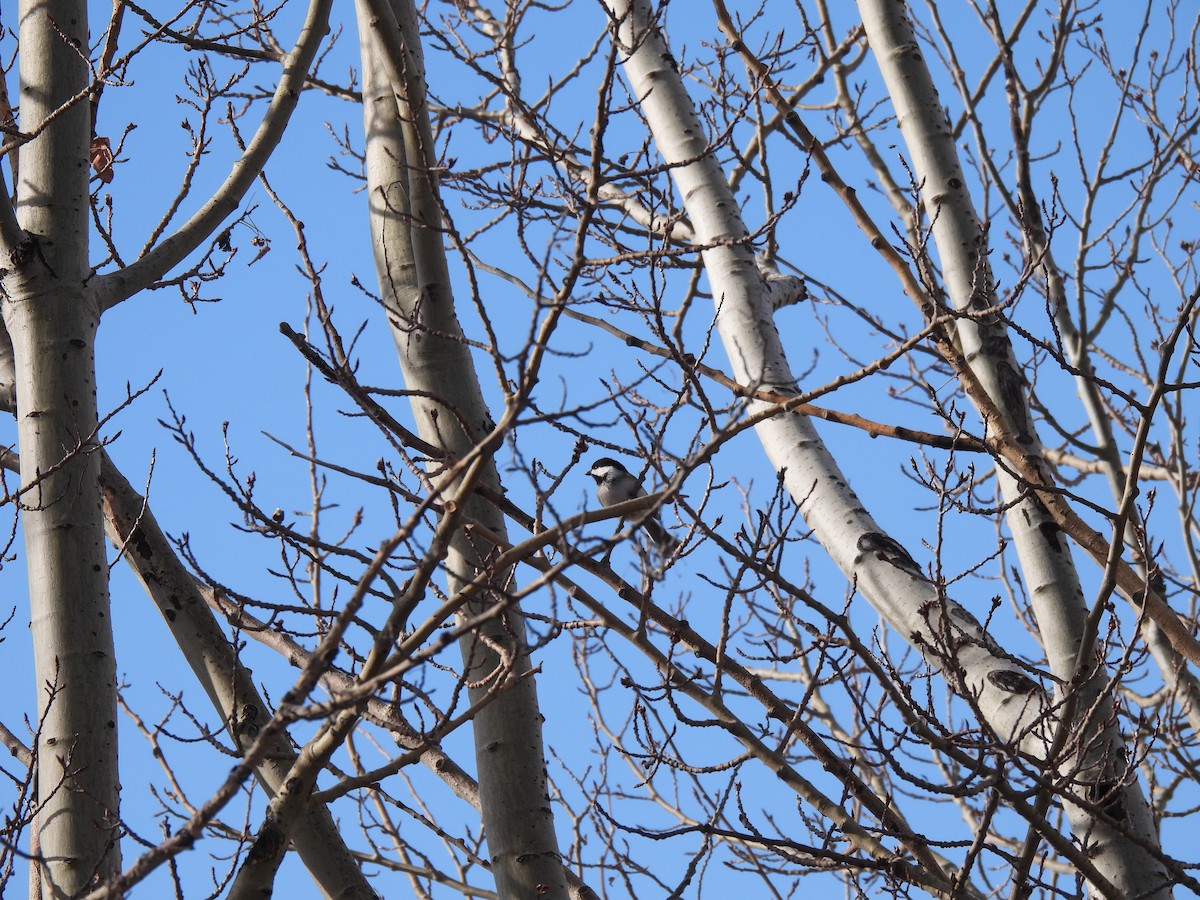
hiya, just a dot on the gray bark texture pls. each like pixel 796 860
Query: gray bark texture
pixel 1122 842
pixel 52 320
pixel 448 406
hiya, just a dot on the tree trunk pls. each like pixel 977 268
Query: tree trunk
pixel 449 409
pixel 1098 768
pixel 52 320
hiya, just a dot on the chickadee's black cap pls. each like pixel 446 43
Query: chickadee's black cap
pixel 607 461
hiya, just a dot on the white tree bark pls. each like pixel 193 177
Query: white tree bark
pixel 877 565
pixel 1046 564
pixel 450 413
pixel 52 320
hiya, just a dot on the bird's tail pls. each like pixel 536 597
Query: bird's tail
pixel 666 542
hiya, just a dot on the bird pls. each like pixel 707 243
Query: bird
pixel 615 485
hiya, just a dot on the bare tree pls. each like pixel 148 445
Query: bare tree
pixel 919 425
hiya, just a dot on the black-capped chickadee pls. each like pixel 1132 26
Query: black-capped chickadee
pixel 615 485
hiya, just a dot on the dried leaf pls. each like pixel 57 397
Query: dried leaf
pixel 102 158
